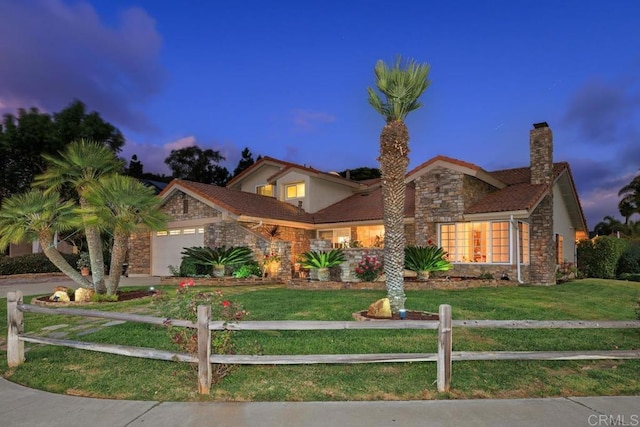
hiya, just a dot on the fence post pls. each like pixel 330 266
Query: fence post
pixel 15 326
pixel 204 349
pixel 444 348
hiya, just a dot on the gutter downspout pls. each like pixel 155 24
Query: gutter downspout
pixel 515 225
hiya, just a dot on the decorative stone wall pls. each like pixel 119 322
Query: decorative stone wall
pixel 175 206
pixel 140 254
pixel 298 237
pixel 474 189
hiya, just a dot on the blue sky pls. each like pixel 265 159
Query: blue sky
pixel 288 79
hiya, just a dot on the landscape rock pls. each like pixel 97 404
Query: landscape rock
pixel 83 294
pixel 60 296
pixel 380 308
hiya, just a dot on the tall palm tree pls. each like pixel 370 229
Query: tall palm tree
pixel 37 216
pixel 80 166
pixel 607 226
pixel 401 86
pixel 120 205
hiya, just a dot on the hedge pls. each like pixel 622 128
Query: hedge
pixel 34 263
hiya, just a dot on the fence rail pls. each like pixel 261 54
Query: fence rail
pixel 204 325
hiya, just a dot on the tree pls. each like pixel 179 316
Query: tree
pixel 400 86
pixel 245 161
pixel 80 166
pixel 630 202
pixel 360 174
pixel 607 226
pixel 26 137
pixel 35 215
pixel 120 205
pixel 195 164
pixel 135 168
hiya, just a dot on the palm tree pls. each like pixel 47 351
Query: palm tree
pixel 401 87
pixel 630 202
pixel 80 166
pixel 607 226
pixel 35 215
pixel 120 205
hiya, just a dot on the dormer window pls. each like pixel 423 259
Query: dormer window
pixel 265 190
pixel 294 191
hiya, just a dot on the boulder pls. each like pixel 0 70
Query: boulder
pixel 61 289
pixel 380 308
pixel 84 294
pixel 60 296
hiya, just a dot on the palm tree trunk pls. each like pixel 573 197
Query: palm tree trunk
pixel 56 258
pixel 118 256
pixel 94 244
pixel 394 159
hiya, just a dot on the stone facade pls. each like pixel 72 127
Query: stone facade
pixel 182 207
pixel 140 245
pixel 543 261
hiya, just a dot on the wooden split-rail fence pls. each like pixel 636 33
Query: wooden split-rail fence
pixel 204 325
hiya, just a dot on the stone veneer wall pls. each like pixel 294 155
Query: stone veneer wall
pixel 298 237
pixel 543 262
pixel 140 254
pixel 174 207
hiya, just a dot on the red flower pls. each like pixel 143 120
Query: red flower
pixel 226 303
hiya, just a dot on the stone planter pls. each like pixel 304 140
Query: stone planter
pixel 323 274
pixel 423 275
pixel 218 271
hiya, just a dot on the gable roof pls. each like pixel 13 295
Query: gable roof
pixel 455 164
pixel 239 202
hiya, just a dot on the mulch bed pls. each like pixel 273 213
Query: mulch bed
pixel 411 315
pixel 122 296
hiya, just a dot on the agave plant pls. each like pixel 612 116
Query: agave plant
pixel 426 259
pixel 323 259
pixel 218 257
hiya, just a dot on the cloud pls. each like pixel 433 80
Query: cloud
pixel 54 52
pixel 603 111
pixel 305 121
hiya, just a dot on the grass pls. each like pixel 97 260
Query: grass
pixel 77 372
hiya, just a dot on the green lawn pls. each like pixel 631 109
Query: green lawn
pixel 78 372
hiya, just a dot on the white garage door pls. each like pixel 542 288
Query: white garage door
pixel 166 247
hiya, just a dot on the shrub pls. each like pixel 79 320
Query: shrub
pixel 185 306
pixel 629 262
pixel 221 256
pixel 599 257
pixel 33 263
pixel 323 259
pixel 247 270
pixel 369 268
pixel 426 258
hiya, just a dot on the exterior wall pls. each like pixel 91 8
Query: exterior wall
pixel 298 238
pixel 140 254
pixel 197 210
pixel 543 262
pixel 259 177
pixel 562 225
pixel 473 189
pixel 292 178
pixel 324 193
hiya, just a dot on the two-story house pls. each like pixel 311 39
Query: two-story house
pixel 521 222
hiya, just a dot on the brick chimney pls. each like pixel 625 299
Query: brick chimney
pixel 541 153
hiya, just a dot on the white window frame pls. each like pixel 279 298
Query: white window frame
pixel 297 186
pixel 464 250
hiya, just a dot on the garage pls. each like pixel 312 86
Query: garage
pixel 166 247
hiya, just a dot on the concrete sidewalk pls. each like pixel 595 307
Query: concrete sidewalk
pixel 21 406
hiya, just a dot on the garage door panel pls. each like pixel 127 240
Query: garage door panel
pixel 166 248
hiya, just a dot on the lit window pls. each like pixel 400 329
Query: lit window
pixel 340 237
pixel 201 230
pixel 481 242
pixel 161 233
pixel 189 231
pixel 174 232
pixel 371 236
pixel 559 249
pixel 265 190
pixel 294 191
